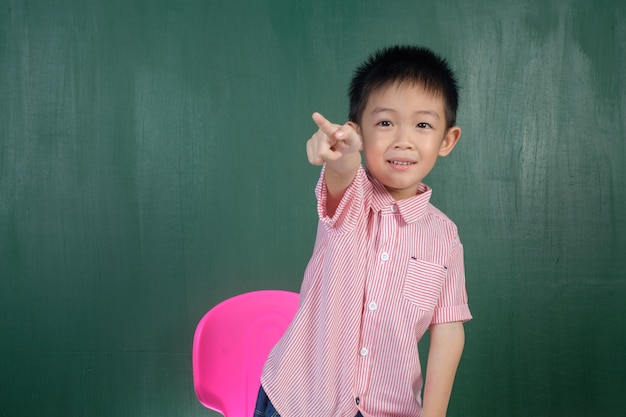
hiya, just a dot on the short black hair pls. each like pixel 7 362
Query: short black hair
pixel 400 64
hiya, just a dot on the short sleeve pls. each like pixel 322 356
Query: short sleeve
pixel 453 302
pixel 350 207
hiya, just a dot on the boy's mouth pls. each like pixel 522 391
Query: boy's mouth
pixel 401 162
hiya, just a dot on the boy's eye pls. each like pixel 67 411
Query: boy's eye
pixel 385 123
pixel 424 125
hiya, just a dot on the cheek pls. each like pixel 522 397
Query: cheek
pixel 372 161
pixel 372 147
pixel 431 148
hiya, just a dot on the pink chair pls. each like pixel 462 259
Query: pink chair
pixel 231 345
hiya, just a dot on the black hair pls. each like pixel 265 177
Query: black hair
pixel 400 64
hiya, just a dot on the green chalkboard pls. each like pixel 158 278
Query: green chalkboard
pixel 152 163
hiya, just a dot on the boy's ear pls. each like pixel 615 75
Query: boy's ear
pixel 450 140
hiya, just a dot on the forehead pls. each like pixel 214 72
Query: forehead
pixel 405 96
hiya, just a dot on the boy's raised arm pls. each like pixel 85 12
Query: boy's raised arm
pixel 338 147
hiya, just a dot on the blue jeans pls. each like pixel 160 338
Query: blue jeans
pixel 264 407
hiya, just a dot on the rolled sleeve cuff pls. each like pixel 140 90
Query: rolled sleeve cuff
pixel 451 314
pixel 348 210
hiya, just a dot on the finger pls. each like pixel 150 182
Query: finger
pixel 320 152
pixel 352 134
pixel 324 124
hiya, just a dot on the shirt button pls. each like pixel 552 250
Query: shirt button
pixel 357 401
pixel 384 256
pixel 364 352
pixel 394 208
pixel 373 306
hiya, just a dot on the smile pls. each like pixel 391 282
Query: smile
pixel 401 162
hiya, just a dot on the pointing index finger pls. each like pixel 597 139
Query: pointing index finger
pixel 325 125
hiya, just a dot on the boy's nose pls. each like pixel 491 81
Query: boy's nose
pixel 403 140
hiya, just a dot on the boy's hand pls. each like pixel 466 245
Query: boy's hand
pixel 331 142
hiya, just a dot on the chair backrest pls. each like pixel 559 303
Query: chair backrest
pixel 231 344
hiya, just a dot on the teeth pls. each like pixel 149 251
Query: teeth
pixel 400 163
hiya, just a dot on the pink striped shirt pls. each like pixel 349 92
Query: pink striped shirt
pixel 381 273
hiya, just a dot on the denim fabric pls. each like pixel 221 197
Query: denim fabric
pixel 264 407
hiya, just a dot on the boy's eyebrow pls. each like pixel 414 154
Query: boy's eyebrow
pixel 424 112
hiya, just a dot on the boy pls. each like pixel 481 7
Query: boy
pixel 387 265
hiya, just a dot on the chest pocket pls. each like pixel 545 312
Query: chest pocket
pixel 423 283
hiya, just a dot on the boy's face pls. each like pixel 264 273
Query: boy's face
pixel 403 129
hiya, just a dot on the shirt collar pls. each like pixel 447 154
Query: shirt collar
pixel 410 209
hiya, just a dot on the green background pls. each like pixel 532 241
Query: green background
pixel 152 163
